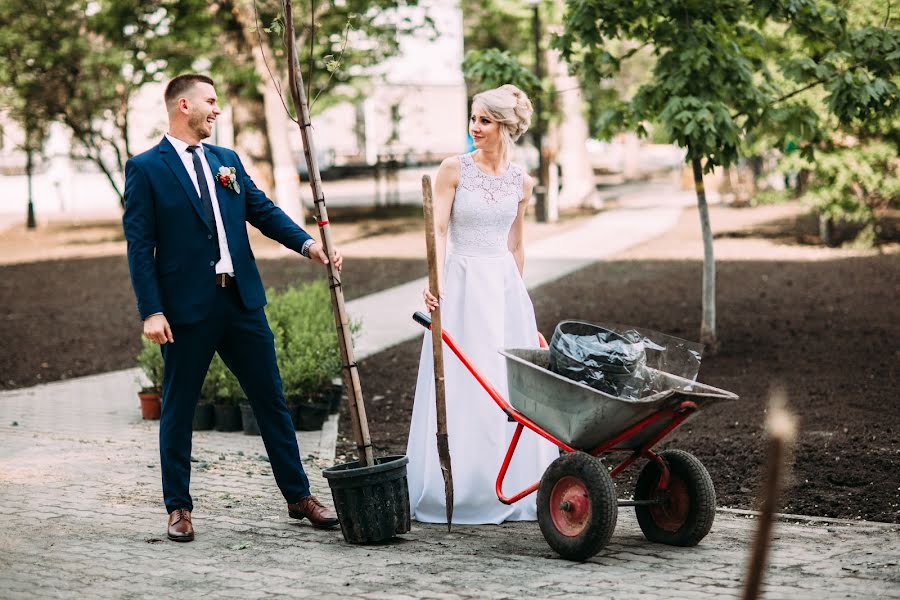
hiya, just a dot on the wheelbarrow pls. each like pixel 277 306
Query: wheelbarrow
pixel 577 507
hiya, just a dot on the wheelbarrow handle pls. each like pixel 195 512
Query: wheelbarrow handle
pixel 425 321
pixel 422 319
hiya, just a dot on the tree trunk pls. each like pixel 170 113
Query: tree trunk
pixel 30 222
pixel 826 230
pixel 286 194
pixel 248 109
pixel 708 322
pixel 250 138
pixel 577 175
pixel 94 152
pixel 285 189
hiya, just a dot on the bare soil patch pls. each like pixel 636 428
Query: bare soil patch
pixel 821 323
pixel 67 318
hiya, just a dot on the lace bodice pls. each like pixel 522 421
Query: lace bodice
pixel 484 208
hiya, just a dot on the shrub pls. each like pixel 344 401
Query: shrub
pixel 306 343
pixel 220 384
pixel 306 347
pixel 852 182
pixel 150 361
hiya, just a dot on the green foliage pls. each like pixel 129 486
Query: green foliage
pixel 770 196
pixel 491 68
pixel 504 25
pixel 220 384
pixel 150 361
pixel 337 43
pixel 30 88
pixel 851 182
pixel 305 340
pixel 735 69
pixel 80 62
pixel 306 346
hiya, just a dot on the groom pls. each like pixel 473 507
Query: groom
pixel 199 291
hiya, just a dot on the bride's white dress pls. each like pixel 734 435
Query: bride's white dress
pixel 485 308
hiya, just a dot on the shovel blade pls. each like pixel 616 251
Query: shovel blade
pixel 443 446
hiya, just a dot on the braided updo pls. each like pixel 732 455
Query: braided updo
pixel 510 108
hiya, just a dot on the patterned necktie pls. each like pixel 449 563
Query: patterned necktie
pixel 205 197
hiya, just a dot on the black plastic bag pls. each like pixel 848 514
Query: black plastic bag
pixel 608 361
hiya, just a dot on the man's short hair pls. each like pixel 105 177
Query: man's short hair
pixel 180 84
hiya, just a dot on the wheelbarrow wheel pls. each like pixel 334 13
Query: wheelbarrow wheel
pixel 576 506
pixel 686 508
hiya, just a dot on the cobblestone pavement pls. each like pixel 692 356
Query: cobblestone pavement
pixel 81 517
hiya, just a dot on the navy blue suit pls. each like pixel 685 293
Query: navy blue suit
pixel 172 252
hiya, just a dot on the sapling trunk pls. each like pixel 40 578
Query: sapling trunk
pixel 708 322
pixel 351 372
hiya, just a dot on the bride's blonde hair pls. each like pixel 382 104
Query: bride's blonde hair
pixel 510 108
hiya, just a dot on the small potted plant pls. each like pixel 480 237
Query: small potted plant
pixel 228 395
pixel 150 361
pixel 205 412
pixel 335 395
pixel 303 388
pixel 307 351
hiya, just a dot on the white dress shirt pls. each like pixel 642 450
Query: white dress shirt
pixel 224 265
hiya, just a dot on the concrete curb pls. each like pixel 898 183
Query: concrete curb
pixel 808 518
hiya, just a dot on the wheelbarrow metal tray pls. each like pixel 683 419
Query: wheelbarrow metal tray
pixel 584 417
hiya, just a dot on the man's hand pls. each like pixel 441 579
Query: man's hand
pixel 317 253
pixel 157 330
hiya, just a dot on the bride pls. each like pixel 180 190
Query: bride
pixel 479 206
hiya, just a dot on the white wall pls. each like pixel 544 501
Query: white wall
pixel 425 80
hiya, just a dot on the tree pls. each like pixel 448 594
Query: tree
pixel 97 54
pixel 492 68
pixel 851 169
pixel 30 77
pixel 515 28
pixel 239 40
pixel 79 63
pixel 713 80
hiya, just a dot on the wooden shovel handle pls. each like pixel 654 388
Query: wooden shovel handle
pixel 436 343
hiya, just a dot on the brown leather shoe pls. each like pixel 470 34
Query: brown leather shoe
pixel 315 511
pixel 180 527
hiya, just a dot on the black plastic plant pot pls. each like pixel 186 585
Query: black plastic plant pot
pixel 371 502
pixel 228 417
pixel 310 417
pixel 204 417
pixel 335 395
pixel 249 419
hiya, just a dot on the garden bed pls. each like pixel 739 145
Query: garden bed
pixel 823 324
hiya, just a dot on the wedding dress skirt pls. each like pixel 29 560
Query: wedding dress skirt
pixel 485 308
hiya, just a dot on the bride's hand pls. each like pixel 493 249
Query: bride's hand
pixel 431 302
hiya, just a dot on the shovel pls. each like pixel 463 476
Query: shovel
pixel 443 445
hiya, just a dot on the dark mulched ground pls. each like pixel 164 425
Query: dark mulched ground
pixel 827 331
pixel 67 318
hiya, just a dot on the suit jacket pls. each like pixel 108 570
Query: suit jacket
pixel 172 249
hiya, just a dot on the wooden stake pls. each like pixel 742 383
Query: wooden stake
pixel 443 444
pixel 351 374
pixel 781 427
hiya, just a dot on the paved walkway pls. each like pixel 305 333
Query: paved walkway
pixel 645 212
pixel 81 516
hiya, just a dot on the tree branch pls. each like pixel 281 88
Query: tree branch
pixel 813 84
pixel 332 72
pixel 312 43
pixel 266 62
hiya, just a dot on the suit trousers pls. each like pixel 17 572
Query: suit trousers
pixel 245 342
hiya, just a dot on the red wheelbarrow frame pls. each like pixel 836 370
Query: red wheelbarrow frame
pixel 677 415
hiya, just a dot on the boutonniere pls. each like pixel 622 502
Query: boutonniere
pixel 228 178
